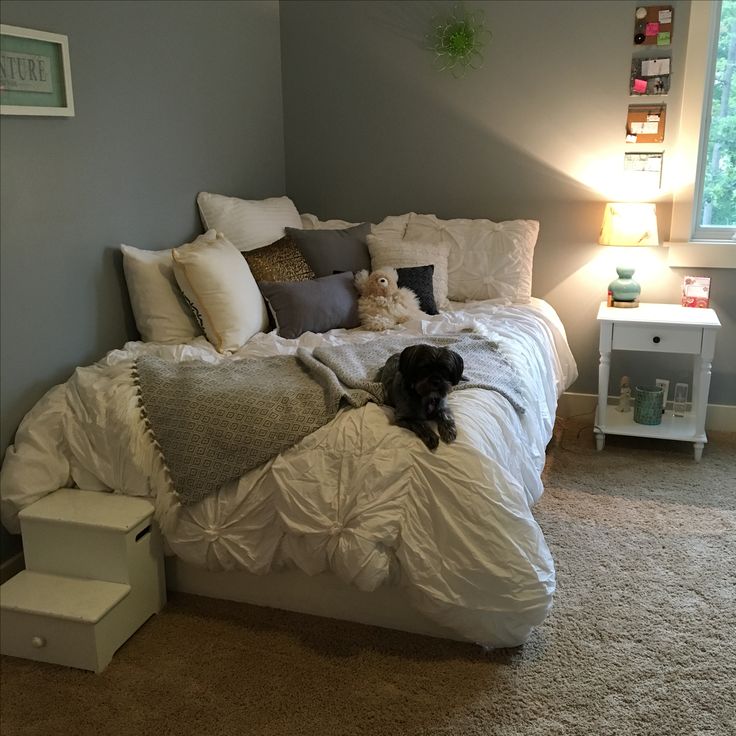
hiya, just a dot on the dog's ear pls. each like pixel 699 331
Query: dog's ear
pixel 457 366
pixel 361 279
pixel 408 359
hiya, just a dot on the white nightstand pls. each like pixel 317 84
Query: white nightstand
pixel 657 328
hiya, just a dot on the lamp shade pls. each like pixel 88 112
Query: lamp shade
pixel 629 223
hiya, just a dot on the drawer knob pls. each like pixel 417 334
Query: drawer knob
pixel 656 339
pixel 38 642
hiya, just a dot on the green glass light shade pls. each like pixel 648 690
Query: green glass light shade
pixel 624 288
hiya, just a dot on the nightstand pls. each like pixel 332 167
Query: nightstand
pixel 657 328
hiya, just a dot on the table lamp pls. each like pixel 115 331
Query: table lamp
pixel 627 224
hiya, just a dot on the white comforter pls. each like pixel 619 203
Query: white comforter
pixel 359 497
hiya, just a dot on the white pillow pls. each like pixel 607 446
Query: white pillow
pixel 248 223
pixel 402 253
pixel 487 260
pixel 216 279
pixel 160 312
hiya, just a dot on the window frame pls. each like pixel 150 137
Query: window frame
pixel 708 232
pixel 692 245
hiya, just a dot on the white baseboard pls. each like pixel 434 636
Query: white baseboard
pixel 12 566
pixel 719 418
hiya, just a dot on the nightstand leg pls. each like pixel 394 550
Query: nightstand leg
pixel 698 451
pixel 701 383
pixel 604 372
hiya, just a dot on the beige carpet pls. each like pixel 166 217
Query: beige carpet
pixel 642 638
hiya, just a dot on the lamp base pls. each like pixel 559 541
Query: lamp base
pixel 629 305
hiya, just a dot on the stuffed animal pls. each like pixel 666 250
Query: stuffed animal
pixel 383 304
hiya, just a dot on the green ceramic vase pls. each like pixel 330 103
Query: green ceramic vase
pixel 624 288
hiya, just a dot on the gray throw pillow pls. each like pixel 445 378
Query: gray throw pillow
pixel 317 305
pixel 327 251
pixel 419 280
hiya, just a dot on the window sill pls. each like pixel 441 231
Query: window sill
pixel 701 255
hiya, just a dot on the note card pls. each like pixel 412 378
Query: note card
pixel 652 29
pixel 663 38
pixel 640 86
pixel 655 67
pixel 665 16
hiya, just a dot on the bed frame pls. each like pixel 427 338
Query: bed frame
pixel 319 595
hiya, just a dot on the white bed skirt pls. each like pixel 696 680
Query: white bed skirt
pixel 320 595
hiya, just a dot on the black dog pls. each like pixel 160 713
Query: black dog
pixel 416 383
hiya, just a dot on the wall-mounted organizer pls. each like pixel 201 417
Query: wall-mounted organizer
pixel 646 123
pixel 649 82
pixel 650 76
pixel 644 170
pixel 653 25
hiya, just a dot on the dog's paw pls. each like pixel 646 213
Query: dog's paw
pixel 431 440
pixel 448 432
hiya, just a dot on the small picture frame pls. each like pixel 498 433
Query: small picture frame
pixel 35 74
pixel 696 291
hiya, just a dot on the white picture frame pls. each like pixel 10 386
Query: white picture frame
pixel 35 73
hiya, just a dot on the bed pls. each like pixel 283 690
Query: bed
pixel 357 520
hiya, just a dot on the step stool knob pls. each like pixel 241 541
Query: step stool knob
pixel 38 642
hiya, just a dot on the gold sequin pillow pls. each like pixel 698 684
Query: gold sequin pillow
pixel 280 261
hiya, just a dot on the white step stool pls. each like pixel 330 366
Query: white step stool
pixel 94 574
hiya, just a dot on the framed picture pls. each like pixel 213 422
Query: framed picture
pixel 35 77
pixel 696 291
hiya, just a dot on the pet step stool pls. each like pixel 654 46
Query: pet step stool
pixel 94 574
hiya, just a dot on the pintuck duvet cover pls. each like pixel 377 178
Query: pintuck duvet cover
pixel 358 497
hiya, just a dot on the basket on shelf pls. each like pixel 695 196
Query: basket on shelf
pixel 648 404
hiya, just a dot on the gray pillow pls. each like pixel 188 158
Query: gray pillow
pixel 327 251
pixel 317 305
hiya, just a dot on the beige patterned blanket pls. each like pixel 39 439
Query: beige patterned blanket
pixel 212 423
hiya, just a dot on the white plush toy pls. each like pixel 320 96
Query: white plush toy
pixel 383 304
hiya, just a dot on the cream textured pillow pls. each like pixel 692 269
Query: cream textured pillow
pixel 404 253
pixel 248 223
pixel 487 260
pixel 160 312
pixel 215 278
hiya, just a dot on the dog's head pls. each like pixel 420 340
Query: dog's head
pixel 430 372
pixel 377 283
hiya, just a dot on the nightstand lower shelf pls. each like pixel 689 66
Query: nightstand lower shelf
pixel 682 429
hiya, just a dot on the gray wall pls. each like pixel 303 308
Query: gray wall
pixel 371 129
pixel 171 98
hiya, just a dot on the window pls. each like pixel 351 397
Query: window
pixel 704 157
pixel 715 193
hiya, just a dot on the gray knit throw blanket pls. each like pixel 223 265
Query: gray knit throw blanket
pixel 214 422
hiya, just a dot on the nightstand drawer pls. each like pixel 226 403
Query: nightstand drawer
pixel 656 338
